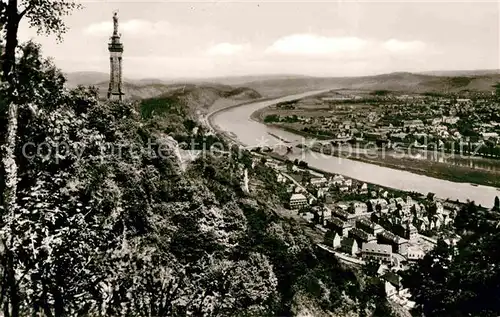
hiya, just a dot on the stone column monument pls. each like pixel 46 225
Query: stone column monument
pixel 115 48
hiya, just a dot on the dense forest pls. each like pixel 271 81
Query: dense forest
pixel 97 231
pixel 98 217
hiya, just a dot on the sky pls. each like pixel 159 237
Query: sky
pixel 178 39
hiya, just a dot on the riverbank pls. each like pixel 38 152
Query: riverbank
pixel 440 170
pixel 215 110
pixel 258 116
pixel 250 132
pixel 210 116
pixel 396 191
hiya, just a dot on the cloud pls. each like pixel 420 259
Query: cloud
pixel 311 44
pixel 319 46
pixel 394 45
pixel 133 27
pixel 227 49
pixel 99 29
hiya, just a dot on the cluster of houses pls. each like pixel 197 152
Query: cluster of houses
pixel 438 118
pixel 387 231
pixel 322 187
pixel 406 215
pixel 442 117
pixel 371 229
pixel 379 228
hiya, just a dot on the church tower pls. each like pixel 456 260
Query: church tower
pixel 115 48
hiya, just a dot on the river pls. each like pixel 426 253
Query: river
pixel 236 121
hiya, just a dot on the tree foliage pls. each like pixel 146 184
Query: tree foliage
pixel 461 280
pixel 45 16
pixel 106 222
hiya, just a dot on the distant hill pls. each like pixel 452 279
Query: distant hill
pixel 198 98
pixel 277 85
pixel 241 80
pixel 85 78
pixel 401 82
pixel 98 78
pixel 203 92
pixel 466 73
pixel 102 79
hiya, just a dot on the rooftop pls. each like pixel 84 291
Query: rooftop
pixel 392 237
pixel 360 233
pixel 341 213
pixel 348 242
pixel 298 197
pixel 339 222
pixel 377 248
pixel 392 278
pixel 378 201
pixel 367 223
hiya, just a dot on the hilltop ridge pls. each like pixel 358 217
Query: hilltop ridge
pixel 277 85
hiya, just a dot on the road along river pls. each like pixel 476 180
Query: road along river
pixel 236 122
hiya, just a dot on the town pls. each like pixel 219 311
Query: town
pixel 461 123
pixel 333 159
pixel 364 224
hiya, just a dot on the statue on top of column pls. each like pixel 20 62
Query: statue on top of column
pixel 115 23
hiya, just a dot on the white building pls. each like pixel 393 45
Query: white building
pixel 364 189
pixel 390 290
pixel 488 135
pixel 450 120
pixel 376 252
pixel 336 241
pixel 415 253
pixel 318 181
pixel 359 207
pixel 298 201
pixel 337 180
pixel 347 182
pixel 281 178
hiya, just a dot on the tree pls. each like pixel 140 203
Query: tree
pixel 459 281
pixel 497 88
pixel 427 280
pixel 468 218
pixel 430 196
pixel 32 71
pixel 245 157
pixel 303 164
pixel 45 16
pixel 108 225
